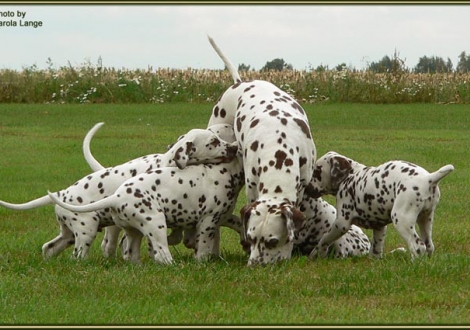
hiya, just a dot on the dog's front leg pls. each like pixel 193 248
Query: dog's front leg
pixel 207 238
pixel 339 227
pixel 378 241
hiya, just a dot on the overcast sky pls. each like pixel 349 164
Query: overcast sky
pixel 175 36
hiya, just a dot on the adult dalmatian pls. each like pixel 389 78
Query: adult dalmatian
pixel 278 152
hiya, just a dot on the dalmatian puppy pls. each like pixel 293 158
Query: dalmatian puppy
pixel 395 192
pixel 198 196
pixel 111 233
pixel 196 147
pixel 320 216
pixel 278 151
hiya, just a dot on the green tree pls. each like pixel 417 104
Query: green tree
pixel 464 63
pixel 384 65
pixel 433 64
pixel 277 64
pixel 395 64
pixel 243 67
pixel 340 67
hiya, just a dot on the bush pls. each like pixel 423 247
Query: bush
pixel 90 83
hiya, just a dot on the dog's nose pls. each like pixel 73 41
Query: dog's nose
pixel 232 151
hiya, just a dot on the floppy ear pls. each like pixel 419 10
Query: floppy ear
pixel 298 218
pixel 183 154
pixel 295 220
pixel 245 213
pixel 340 169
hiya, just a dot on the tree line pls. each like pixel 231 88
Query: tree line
pixel 432 64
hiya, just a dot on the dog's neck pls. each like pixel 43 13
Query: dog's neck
pixel 356 166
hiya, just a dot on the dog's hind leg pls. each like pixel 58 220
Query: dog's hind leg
pixel 58 244
pixel 130 245
pixel 425 221
pixel 85 230
pixel 110 241
pixel 155 229
pixel 404 222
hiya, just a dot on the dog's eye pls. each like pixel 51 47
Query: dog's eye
pixel 272 243
pixel 214 142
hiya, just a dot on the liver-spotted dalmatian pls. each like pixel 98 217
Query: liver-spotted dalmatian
pixel 320 217
pixel 198 146
pixel 111 235
pixel 274 138
pixel 198 196
pixel 396 192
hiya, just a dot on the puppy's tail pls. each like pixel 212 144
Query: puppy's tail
pixel 104 203
pixel 92 162
pixel 435 177
pixel 38 202
pixel 230 67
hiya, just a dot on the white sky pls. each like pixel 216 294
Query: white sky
pixel 175 35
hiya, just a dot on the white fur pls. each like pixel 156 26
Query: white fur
pixel 278 153
pixel 396 192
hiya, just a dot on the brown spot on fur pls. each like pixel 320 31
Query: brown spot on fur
pixel 254 123
pixel 280 158
pixel 304 127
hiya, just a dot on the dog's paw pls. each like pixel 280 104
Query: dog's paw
pixel 400 249
pixel 314 254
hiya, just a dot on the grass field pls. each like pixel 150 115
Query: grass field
pixel 41 149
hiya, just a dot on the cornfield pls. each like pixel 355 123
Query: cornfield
pixel 90 83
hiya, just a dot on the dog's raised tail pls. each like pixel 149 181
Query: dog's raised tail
pixel 435 177
pixel 228 64
pixel 92 162
pixel 104 203
pixel 35 203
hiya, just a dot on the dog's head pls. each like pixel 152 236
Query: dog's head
pixel 201 146
pixel 223 131
pixel 328 172
pixel 269 231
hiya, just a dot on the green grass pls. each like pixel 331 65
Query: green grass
pixel 41 149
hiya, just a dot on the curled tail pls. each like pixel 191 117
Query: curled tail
pixel 230 67
pixel 92 162
pixel 435 177
pixel 38 202
pixel 104 203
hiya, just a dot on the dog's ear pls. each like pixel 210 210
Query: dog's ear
pixel 183 154
pixel 340 169
pixel 298 218
pixel 245 213
pixel 295 220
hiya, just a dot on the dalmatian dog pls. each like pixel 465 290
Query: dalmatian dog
pixel 278 151
pixel 395 192
pixel 111 235
pixel 198 196
pixel 196 147
pixel 320 216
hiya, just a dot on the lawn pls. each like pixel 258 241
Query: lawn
pixel 41 149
